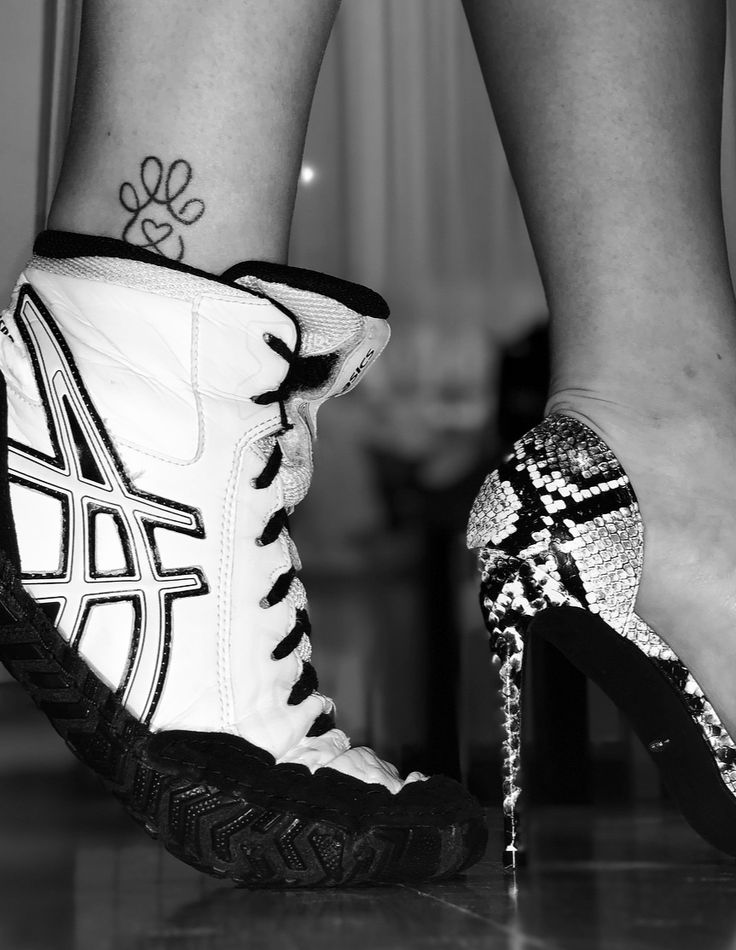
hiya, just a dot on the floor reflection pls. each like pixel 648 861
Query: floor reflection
pixel 75 873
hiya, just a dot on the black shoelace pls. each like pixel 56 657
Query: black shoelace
pixel 279 520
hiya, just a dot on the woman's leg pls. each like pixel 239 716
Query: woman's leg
pixel 610 111
pixel 221 92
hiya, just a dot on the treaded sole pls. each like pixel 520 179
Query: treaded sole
pixel 222 829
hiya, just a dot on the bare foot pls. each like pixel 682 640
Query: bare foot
pixel 683 471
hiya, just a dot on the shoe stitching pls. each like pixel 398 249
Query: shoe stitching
pixel 141 276
pixel 225 566
pixel 194 384
pixel 202 431
pixel 8 315
pixel 21 395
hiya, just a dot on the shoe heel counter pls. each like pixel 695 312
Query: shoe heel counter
pixel 562 493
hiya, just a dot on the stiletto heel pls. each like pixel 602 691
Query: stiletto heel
pixel 560 544
pixel 512 592
pixel 507 647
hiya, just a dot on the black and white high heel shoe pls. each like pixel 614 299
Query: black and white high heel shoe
pixel 561 542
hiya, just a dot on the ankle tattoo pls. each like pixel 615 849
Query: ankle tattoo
pixel 159 207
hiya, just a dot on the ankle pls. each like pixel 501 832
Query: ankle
pixel 658 361
pixel 655 414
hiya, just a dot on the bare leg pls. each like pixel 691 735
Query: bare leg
pixel 610 112
pixel 223 89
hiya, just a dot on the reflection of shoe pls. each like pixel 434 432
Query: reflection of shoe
pixel 158 418
pixel 561 549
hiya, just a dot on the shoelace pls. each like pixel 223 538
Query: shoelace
pixel 299 637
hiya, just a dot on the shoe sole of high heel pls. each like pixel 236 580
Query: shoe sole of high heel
pixel 519 611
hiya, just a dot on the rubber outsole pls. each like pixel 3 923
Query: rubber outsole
pixel 257 834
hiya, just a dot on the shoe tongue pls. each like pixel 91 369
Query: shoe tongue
pixel 342 326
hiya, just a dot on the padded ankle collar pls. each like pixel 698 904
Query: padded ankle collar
pixel 65 244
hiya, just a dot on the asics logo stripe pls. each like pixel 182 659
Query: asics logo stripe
pixel 86 476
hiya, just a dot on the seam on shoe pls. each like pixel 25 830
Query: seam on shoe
pixel 194 384
pixel 8 314
pixel 252 434
pixel 224 595
pixel 194 378
pixel 225 563
pixel 154 455
pixel 248 299
pixel 230 292
pixel 21 395
pixel 261 429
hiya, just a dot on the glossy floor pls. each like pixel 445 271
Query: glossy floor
pixel 75 873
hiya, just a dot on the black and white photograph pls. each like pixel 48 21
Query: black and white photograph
pixel 367 475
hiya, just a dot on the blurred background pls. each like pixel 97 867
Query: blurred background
pixel 404 188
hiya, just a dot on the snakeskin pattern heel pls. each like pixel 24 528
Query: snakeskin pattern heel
pixel 513 591
pixel 560 544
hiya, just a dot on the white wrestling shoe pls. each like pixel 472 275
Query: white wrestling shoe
pixel 159 430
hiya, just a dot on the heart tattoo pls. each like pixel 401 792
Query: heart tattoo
pixel 161 198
